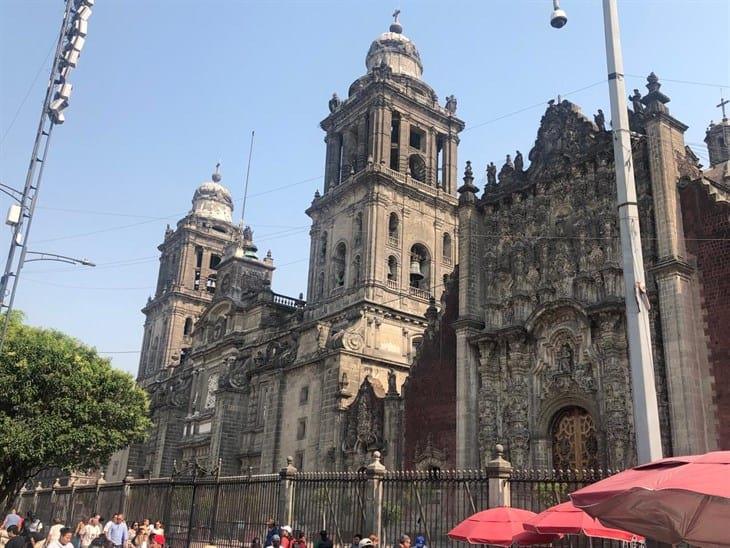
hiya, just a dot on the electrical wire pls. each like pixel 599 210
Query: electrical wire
pixel 27 93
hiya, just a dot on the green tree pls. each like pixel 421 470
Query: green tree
pixel 61 405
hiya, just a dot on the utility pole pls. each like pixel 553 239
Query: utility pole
pixel 71 39
pixel 643 389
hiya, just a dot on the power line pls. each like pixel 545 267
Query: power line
pixel 690 82
pixel 27 93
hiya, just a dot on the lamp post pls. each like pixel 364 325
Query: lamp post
pixel 643 389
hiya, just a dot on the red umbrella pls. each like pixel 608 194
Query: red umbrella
pixel 501 526
pixel 670 500
pixel 567 519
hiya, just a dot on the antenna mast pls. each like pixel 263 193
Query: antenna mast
pixel 248 172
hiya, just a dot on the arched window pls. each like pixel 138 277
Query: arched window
pixel 339 265
pixel 420 268
pixel 392 269
pixel 323 247
pixel 415 345
pixel 356 270
pixel 215 260
pixel 417 167
pixel 574 441
pixel 446 248
pixel 357 229
pixel 188 326
pixel 393 229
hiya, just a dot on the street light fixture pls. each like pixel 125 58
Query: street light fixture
pixel 559 18
pixel 643 389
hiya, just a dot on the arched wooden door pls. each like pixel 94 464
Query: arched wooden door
pixel 574 440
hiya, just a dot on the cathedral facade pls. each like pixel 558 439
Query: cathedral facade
pixel 396 348
pixel 244 376
pixel 537 354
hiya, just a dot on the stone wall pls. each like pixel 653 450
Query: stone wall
pixel 707 232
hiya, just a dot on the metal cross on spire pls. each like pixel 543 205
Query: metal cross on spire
pixel 722 104
pixel 396 13
pixel 217 174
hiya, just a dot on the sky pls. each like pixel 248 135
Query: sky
pixel 165 89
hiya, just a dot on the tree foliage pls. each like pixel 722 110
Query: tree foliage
pixel 61 405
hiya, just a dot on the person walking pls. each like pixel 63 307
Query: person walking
pixel 404 542
pixel 275 541
pixel 32 528
pixel 118 533
pixel 420 542
pixel 286 536
pixel 356 541
pixel 76 540
pixel 271 530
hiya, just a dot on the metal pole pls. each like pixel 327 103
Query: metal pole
pixel 248 172
pixel 20 236
pixel 643 390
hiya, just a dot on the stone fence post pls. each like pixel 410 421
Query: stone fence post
pixel 99 483
pixel 36 492
pixel 286 492
pixel 498 472
pixel 126 491
pixel 375 473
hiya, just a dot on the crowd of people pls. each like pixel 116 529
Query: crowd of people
pixel 284 537
pixel 30 532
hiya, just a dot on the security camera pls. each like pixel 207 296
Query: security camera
pixel 558 19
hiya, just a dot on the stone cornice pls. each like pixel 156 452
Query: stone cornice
pixel 671 266
pixel 468 323
pixel 657 117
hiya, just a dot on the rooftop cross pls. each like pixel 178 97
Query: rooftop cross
pixel 396 13
pixel 722 104
pixel 395 26
pixel 217 175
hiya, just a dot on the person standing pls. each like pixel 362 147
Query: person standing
pixel 118 534
pixel 404 542
pixel 16 541
pixel 54 533
pixel 420 542
pixel 286 536
pixel 323 541
pixel 13 518
pixel 356 541
pixel 76 540
pixel 92 530
pixel 32 528
pixel 64 539
pixel 271 530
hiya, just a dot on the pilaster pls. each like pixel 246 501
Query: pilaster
pixel 685 356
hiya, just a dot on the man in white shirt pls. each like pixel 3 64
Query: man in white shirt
pixel 64 539
pixel 90 531
pixel 54 533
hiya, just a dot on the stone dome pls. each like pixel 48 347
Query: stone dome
pixel 213 201
pixel 395 49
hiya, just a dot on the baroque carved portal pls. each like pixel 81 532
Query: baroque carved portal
pixel 574 440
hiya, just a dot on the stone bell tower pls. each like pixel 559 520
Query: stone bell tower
pixel 384 230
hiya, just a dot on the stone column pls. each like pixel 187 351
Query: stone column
pixel 375 472
pixel 332 156
pixel 498 472
pixel 379 144
pixel 468 324
pixel 685 355
pixel 286 491
pixel 451 144
pixel 403 144
pixel 392 430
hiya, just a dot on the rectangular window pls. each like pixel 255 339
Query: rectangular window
pixel 416 139
pixel 304 395
pixel 301 428
pixel 299 460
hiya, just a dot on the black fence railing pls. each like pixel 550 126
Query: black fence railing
pixel 430 503
pixel 230 511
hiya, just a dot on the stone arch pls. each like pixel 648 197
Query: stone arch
pixel 417 167
pixel 420 256
pixel 446 251
pixel 392 269
pixel 393 227
pixel 339 264
pixel 188 327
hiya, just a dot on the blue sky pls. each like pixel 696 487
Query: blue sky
pixel 166 88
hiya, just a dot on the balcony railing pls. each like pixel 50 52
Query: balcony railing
pixel 291 302
pixel 392 284
pixel 420 293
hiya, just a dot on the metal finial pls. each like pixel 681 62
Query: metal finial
pixel 395 26
pixel 217 173
pixel 722 104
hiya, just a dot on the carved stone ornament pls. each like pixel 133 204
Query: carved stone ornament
pixel 364 421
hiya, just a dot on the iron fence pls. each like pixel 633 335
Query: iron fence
pixel 538 490
pixel 229 512
pixel 334 502
pixel 430 503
